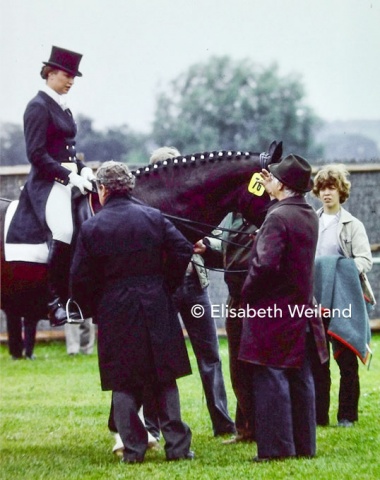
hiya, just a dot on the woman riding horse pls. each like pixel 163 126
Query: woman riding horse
pixel 193 190
pixel 45 208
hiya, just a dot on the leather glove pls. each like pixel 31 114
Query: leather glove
pixel 87 174
pixel 77 181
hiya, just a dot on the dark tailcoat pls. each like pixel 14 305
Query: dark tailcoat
pixel 50 140
pixel 280 276
pixel 128 260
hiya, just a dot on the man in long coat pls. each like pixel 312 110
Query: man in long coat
pixel 128 260
pixel 275 339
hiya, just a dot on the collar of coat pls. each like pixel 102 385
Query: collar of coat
pixel 345 216
pixel 297 201
pixel 115 199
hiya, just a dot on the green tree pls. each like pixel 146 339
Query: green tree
pixel 118 143
pixel 237 105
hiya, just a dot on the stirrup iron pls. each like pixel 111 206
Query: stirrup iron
pixel 78 311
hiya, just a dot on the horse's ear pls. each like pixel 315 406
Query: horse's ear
pixel 272 147
pixel 275 151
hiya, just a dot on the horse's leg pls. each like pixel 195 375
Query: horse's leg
pixel 30 330
pixel 14 327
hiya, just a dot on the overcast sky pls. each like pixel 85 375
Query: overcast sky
pixel 132 47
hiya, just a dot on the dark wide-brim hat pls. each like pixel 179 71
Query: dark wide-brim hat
pixel 294 172
pixel 65 60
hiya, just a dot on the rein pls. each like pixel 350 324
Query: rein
pixel 187 221
pixel 223 229
pixel 221 270
pixel 194 229
pixel 189 224
pixel 193 222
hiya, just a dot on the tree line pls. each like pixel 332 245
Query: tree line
pixel 221 104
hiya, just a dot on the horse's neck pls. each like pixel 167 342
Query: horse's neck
pixel 205 191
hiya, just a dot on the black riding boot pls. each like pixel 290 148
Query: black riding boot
pixel 58 278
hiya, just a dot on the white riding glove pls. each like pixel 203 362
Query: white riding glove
pixel 87 174
pixel 77 181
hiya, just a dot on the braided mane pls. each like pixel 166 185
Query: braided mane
pixel 195 160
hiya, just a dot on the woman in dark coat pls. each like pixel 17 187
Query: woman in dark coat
pixel 127 262
pixel 44 213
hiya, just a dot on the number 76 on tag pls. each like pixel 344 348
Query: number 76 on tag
pixel 255 186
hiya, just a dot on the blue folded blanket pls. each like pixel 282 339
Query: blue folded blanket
pixel 337 288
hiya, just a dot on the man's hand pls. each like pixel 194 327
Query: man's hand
pixel 266 179
pixel 199 247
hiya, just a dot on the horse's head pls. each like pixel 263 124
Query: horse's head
pixel 253 199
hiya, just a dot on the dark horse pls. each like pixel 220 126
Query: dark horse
pixel 200 188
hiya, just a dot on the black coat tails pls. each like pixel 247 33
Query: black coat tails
pixel 127 260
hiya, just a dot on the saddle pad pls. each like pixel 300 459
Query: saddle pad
pixel 22 252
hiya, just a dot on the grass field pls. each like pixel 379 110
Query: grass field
pixel 54 426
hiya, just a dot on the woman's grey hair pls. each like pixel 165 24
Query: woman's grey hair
pixel 163 153
pixel 116 177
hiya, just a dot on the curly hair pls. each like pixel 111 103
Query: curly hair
pixel 333 175
pixel 116 177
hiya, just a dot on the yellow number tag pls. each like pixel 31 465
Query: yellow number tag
pixel 254 186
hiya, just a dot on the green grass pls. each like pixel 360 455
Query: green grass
pixel 54 426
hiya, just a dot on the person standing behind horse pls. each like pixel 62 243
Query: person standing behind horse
pixel 127 262
pixel 44 213
pixel 275 337
pixel 202 333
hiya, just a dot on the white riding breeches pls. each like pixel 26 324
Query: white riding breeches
pixel 59 217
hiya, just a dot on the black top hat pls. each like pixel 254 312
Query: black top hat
pixel 65 60
pixel 294 172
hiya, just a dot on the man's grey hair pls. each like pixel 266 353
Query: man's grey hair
pixel 163 153
pixel 116 177
pixel 289 192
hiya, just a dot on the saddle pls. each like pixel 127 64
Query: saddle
pixel 84 207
